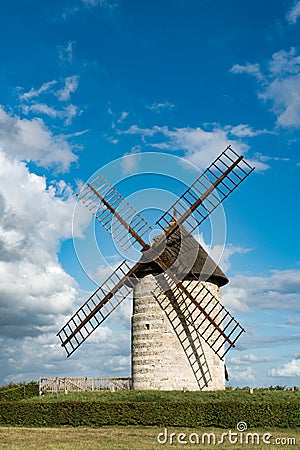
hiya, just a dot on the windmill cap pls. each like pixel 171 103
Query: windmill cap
pixel 178 251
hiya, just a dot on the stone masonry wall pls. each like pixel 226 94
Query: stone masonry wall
pixel 158 360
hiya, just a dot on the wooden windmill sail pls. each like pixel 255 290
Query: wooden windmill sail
pixel 196 315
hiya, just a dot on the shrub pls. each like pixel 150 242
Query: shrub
pixel 188 414
pixel 18 392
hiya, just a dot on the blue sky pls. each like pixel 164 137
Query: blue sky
pixel 86 82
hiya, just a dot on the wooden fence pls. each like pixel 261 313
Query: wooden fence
pixel 81 384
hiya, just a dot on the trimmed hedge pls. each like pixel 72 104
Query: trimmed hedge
pixel 20 392
pixel 217 414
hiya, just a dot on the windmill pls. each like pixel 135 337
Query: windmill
pixel 180 330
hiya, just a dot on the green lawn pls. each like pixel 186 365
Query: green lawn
pixel 135 438
pixel 178 396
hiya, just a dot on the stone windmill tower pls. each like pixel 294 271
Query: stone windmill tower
pixel 180 330
pixel 167 352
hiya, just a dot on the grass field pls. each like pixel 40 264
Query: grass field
pixel 165 396
pixel 135 438
pixel 142 437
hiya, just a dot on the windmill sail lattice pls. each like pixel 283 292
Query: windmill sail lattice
pixel 97 308
pixel 209 190
pixel 187 333
pixel 202 313
pixel 113 212
pixel 220 333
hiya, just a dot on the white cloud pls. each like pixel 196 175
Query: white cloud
pixel 36 294
pixel 50 360
pixel 265 158
pixel 227 253
pixel 284 63
pixel 235 298
pixel 246 359
pixel 267 342
pixel 40 108
pixel 131 160
pixel 290 369
pixel 68 113
pixel 221 254
pixel 279 84
pixel 71 85
pixel 243 130
pixel 31 140
pixel 34 218
pixel 135 129
pixel 286 100
pixel 277 291
pixel 292 321
pixel 200 146
pixel 258 165
pixel 123 116
pixel 161 106
pixel 30 104
pixel 241 375
pixel 294 13
pixel 103 334
pixel 121 317
pixel 250 69
pixel 46 87
pixel 105 269
pixel 105 5
pixel 118 118
pixel 102 3
pixel 66 52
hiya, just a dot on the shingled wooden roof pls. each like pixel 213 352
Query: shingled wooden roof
pixel 181 250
